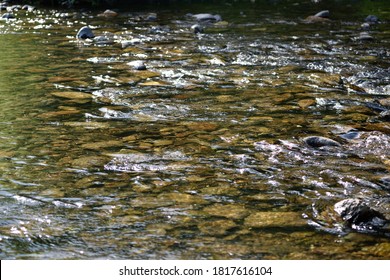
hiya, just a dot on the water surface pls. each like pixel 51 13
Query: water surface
pixel 201 156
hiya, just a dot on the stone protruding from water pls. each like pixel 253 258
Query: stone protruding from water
pixel 322 16
pixel 319 141
pixel 358 215
pixel 85 32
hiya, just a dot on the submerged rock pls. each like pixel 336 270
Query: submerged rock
pixel 85 32
pixel 319 141
pixel 358 215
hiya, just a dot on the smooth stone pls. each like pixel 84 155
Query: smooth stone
pixel 85 32
pixel 8 16
pixel 137 65
pixel 314 19
pixel 323 14
pixel 219 227
pixel 357 214
pixel 206 17
pixel 151 17
pixel 72 94
pixel 196 28
pixel 229 211
pixel 350 135
pixel 89 162
pixel 29 8
pixel 318 141
pixel 108 13
pixel 275 219
pixel 372 19
pixel 364 36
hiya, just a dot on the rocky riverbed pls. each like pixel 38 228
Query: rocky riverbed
pixel 203 132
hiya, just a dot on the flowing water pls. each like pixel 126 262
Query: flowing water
pixel 203 154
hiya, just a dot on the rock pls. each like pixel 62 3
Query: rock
pixel 29 8
pixel 72 94
pixel 371 19
pixel 108 14
pixel 85 32
pixel 350 135
pixel 206 17
pixel 151 17
pixel 219 227
pixel 229 211
pixel 137 65
pixel 318 142
pixel 365 26
pixel 358 215
pixel 322 14
pixel 364 36
pixel 275 220
pixel 8 16
pixel 197 28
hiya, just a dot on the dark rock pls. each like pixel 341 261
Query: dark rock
pixel 323 14
pixel 151 17
pixel 358 215
pixel 352 134
pixel 197 28
pixel 85 32
pixel 371 19
pixel 318 142
pixel 8 16
pixel 137 65
pixel 385 115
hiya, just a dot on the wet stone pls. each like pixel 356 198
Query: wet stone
pixel 229 211
pixel 358 215
pixel 85 32
pixel 275 219
pixel 318 142
pixel 72 95
pixel 90 162
pixel 218 227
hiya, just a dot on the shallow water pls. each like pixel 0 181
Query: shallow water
pixel 201 156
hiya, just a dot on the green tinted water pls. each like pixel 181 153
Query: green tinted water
pixel 201 155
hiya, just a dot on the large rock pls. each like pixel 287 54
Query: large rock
pixel 319 141
pixel 358 215
pixel 85 32
pixel 206 17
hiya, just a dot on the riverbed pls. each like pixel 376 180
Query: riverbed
pixel 204 153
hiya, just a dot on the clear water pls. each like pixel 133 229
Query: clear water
pixel 201 155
